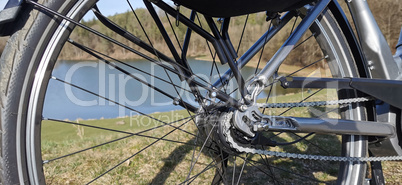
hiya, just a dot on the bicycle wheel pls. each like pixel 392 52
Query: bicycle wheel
pixel 126 127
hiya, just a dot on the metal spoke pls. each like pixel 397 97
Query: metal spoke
pixel 293 27
pixel 313 34
pixel 139 22
pixel 296 141
pixel 287 171
pixel 263 47
pixel 319 60
pixel 117 165
pixel 242 168
pixel 193 155
pixel 222 162
pixel 180 98
pixel 213 55
pixel 310 133
pixel 308 97
pixel 242 33
pixel 124 132
pixel 301 138
pixel 281 169
pixel 266 100
pixel 128 65
pixel 174 32
pixel 266 161
pixel 129 108
pixel 176 65
pixel 149 40
pixel 171 69
pixel 263 171
pixel 234 170
pixel 181 101
pixel 202 148
pixel 109 142
pixel 208 167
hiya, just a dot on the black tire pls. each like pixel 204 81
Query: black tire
pixel 18 62
pixel 24 67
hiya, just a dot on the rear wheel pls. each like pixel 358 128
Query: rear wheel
pixel 114 121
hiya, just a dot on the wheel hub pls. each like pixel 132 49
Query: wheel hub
pixel 217 126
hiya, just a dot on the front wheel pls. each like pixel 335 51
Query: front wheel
pixel 75 110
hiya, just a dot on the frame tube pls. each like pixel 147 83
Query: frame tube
pixel 250 53
pixel 375 47
pixel 288 46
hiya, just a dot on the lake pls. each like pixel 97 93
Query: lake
pixel 65 102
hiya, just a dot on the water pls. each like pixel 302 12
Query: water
pixel 66 102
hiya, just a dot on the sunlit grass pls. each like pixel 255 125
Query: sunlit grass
pixel 169 163
pixel 163 162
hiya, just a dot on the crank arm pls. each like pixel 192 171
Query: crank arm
pixel 324 126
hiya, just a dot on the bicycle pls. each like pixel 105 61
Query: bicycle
pixel 326 119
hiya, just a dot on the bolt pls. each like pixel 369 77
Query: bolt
pixel 243 108
pixel 265 127
pixel 248 97
pixel 176 101
pixel 255 128
pixel 213 94
pixel 371 65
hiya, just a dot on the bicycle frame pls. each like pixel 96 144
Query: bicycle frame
pixel 374 46
pixel 372 54
pixel 376 55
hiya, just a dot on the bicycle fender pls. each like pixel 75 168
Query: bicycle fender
pixel 8 15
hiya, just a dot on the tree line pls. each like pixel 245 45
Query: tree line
pixel 389 21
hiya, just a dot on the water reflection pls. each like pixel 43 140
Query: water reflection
pixel 66 102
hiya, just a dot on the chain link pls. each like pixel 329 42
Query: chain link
pixel 314 104
pixel 238 148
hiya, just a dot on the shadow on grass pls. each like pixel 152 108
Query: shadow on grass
pixel 263 169
pixel 171 162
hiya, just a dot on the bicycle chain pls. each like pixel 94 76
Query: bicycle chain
pixel 238 148
pixel 314 104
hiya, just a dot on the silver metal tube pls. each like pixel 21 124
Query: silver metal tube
pixel 399 46
pixel 332 126
pixel 375 47
pixel 287 47
pixel 250 53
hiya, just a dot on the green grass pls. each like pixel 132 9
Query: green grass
pixel 169 163
pixel 59 139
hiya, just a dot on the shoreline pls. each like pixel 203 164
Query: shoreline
pixel 252 63
pixel 284 69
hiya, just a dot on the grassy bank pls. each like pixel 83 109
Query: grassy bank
pixel 163 162
pixel 167 162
